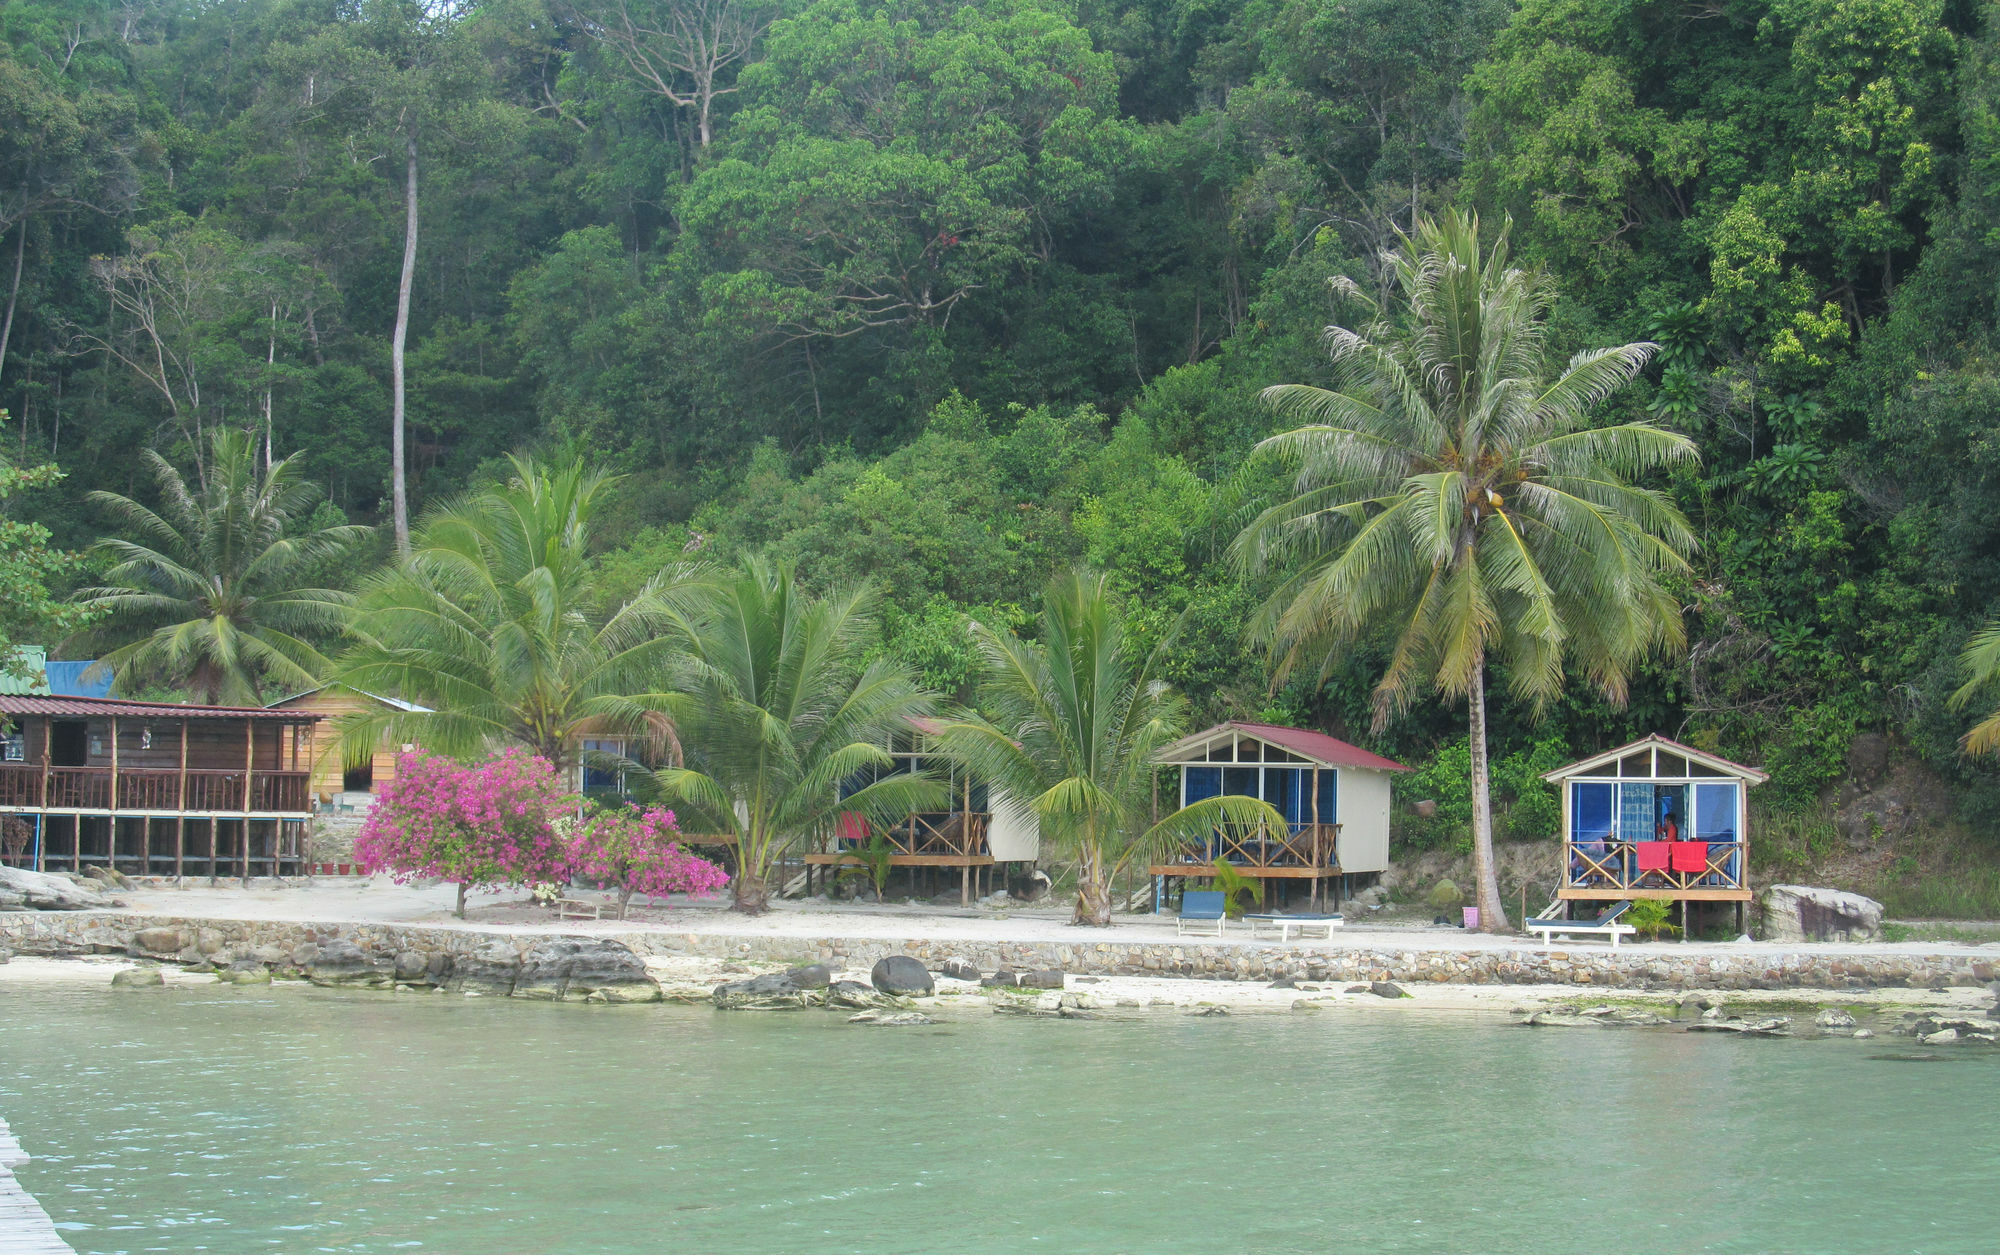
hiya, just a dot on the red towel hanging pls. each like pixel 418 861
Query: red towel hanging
pixel 1654 855
pixel 1690 856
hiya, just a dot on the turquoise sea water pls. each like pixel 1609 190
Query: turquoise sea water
pixel 225 1120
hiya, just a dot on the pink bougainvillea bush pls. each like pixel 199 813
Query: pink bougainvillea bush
pixel 489 824
pixel 639 853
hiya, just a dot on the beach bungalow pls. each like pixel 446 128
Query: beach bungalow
pixel 1655 819
pixel 347 786
pixel 978 830
pixel 153 788
pixel 1334 797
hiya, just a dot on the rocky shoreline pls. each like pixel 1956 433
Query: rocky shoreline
pixel 611 966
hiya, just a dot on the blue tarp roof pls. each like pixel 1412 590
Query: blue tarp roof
pixel 66 680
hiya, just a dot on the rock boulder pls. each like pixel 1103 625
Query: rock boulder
pixel 138 978
pixel 900 975
pixel 958 969
pixel 1047 979
pixel 346 965
pixel 35 891
pixel 491 970
pixel 595 970
pixel 773 991
pixel 1805 913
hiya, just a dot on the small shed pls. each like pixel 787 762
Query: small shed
pixel 348 785
pixel 1334 797
pixel 1655 819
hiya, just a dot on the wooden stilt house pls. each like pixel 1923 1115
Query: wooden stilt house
pixel 1655 819
pixel 152 788
pixel 1334 797
pixel 979 829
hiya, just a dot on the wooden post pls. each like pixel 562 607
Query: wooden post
pixel 1318 892
pixel 180 845
pixel 76 843
pixel 111 824
pixel 214 855
pixel 249 759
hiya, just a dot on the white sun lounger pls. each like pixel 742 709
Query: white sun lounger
pixel 1605 925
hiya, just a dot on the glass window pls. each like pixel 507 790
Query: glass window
pixel 1200 782
pixel 598 774
pixel 1241 781
pixel 1282 791
pixel 1715 812
pixel 1329 797
pixel 1590 811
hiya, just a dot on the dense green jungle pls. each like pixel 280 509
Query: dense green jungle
pixel 952 296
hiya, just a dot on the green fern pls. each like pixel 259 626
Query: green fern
pixel 1238 891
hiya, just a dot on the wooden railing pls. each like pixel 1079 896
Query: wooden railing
pixel 1613 866
pixel 958 834
pixel 25 786
pixel 1307 846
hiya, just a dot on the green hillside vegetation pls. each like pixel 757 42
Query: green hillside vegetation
pixel 949 298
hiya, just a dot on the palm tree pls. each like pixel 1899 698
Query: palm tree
pixel 204 591
pixel 777 706
pixel 1981 664
pixel 1076 721
pixel 1454 496
pixel 490 627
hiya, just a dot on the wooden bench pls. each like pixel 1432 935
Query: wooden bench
pixel 577 908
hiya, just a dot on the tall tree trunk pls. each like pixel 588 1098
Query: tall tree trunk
pixel 13 291
pixel 270 361
pixel 459 910
pixel 400 488
pixel 1485 878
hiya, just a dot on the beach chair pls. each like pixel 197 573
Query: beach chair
pixel 1202 911
pixel 1605 925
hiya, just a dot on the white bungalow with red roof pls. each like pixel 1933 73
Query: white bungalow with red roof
pixel 1334 797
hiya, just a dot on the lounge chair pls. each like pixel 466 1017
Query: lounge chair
pixel 1201 908
pixel 1605 925
pixel 1286 925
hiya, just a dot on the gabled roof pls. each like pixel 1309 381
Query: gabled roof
pixel 107 707
pixel 1715 762
pixel 1316 747
pixel 396 702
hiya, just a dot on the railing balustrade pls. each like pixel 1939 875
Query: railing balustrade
pixel 1308 845
pixel 1614 866
pixel 151 789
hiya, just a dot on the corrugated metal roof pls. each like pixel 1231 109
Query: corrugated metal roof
pixel 105 707
pixel 33 659
pixel 1318 746
pixel 394 702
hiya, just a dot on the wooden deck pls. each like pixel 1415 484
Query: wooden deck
pixel 25 1229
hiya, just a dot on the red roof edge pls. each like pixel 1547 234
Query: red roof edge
pixel 1327 749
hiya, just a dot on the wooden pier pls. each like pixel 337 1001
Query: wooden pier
pixel 25 1229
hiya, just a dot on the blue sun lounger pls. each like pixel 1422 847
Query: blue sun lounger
pixel 1605 925
pixel 1201 908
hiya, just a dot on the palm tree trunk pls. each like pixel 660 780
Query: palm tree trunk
pixel 1093 896
pixel 753 894
pixel 399 488
pixel 1485 878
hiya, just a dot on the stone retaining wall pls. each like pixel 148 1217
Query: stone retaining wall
pixel 222 940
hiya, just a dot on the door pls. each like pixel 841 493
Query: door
pixel 69 743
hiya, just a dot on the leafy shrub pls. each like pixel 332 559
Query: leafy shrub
pixel 1649 917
